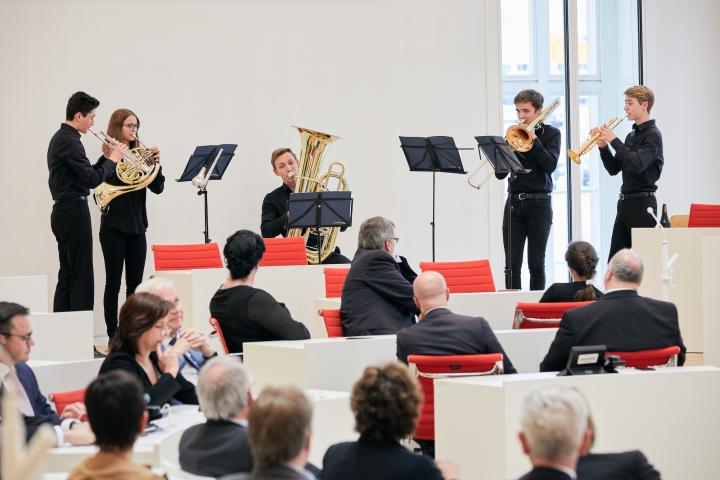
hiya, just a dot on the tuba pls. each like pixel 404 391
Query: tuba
pixel 312 148
pixel 137 169
pixel 591 141
pixel 518 135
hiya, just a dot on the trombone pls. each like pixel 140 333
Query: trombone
pixel 591 141
pixel 518 135
pixel 472 175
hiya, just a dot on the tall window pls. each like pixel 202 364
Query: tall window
pixel 607 64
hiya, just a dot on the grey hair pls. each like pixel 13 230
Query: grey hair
pixel 223 387
pixel 553 421
pixel 627 266
pixel 155 285
pixel 374 232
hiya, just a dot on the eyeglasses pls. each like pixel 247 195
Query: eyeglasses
pixel 395 239
pixel 132 126
pixel 24 338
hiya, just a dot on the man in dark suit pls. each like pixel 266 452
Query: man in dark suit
pixel 442 332
pixel 554 431
pixel 621 319
pixel 377 297
pixel 16 339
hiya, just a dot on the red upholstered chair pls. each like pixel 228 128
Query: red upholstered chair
pixel 464 277
pixel 542 315
pixel 216 325
pixel 334 281
pixel 429 367
pixel 187 257
pixel 333 323
pixel 284 251
pixel 704 215
pixel 63 399
pixel 649 358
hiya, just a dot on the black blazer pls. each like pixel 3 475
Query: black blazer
pixel 166 389
pixel 544 473
pixel 616 466
pixel 565 292
pixel 215 448
pixel 621 320
pixel 443 332
pixel 376 298
pixel 377 460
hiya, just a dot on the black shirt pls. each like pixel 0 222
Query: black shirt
pixel 565 292
pixel 71 175
pixel 640 158
pixel 127 212
pixel 275 212
pixel 541 160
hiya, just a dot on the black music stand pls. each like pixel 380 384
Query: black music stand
pixel 503 160
pixel 320 209
pixel 207 162
pixel 432 154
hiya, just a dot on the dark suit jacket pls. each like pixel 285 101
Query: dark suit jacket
pixel 621 320
pixel 376 298
pixel 616 466
pixel 443 332
pixel 215 448
pixel 43 411
pixel 377 460
pixel 278 472
pixel 543 473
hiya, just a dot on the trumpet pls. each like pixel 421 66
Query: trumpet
pixel 591 141
pixel 518 136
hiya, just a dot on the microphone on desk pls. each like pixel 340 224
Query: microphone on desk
pixel 652 214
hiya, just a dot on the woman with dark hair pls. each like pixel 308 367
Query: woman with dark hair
pixel 122 228
pixel 581 260
pixel 386 402
pixel 246 313
pixel 137 349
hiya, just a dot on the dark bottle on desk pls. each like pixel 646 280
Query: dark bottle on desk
pixel 664 219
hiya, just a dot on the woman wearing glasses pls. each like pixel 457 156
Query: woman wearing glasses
pixel 122 229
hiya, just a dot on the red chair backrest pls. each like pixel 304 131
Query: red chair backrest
pixel 216 325
pixel 429 367
pixel 333 323
pixel 649 358
pixel 187 257
pixel 334 281
pixel 63 399
pixel 542 315
pixel 464 277
pixel 284 251
pixel 702 215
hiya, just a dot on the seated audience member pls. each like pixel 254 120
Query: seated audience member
pixel 554 431
pixel 137 348
pixel 377 297
pixel 16 339
pixel 220 445
pixel 246 313
pixel 386 402
pixel 442 332
pixel 621 319
pixel 581 260
pixel 279 427
pixel 199 350
pixel 116 409
pixel 631 465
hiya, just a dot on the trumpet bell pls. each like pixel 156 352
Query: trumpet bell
pixel 574 156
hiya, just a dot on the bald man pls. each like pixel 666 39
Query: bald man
pixel 441 332
pixel 621 319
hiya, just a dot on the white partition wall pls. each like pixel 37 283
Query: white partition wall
pixel 710 246
pixel 65 336
pixel 55 377
pixel 30 291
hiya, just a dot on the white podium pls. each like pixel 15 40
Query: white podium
pixel 30 291
pixel 687 293
pixel 62 336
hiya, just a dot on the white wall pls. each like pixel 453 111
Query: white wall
pixel 242 72
pixel 681 41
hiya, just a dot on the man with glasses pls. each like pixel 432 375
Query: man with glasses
pixel 16 339
pixel 377 297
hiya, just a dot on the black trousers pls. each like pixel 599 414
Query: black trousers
pixel 70 223
pixel 631 213
pixel 529 219
pixel 120 249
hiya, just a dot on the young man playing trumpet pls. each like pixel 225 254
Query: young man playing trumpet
pixel 640 159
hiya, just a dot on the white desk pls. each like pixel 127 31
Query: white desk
pixel 477 419
pixel 53 377
pixel 527 347
pixel 30 291
pixel 65 336
pixel 686 294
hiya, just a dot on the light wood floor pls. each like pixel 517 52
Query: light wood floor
pixel 693 359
